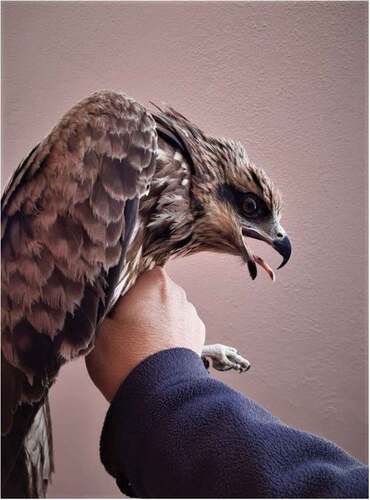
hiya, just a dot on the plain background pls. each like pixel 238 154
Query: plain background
pixel 289 81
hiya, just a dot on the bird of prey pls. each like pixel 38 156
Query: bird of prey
pixel 115 189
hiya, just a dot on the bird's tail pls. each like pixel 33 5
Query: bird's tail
pixel 27 453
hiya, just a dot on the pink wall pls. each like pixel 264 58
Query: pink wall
pixel 289 81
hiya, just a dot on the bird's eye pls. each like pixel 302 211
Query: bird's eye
pixel 250 206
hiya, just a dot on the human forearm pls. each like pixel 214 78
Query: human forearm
pixel 173 431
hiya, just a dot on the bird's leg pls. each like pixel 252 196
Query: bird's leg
pixel 224 358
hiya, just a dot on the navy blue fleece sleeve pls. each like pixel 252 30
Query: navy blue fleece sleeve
pixel 173 431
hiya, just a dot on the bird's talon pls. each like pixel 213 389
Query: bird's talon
pixel 226 358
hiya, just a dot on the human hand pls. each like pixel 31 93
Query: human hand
pixel 154 315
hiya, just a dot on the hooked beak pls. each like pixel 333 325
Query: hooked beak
pixel 284 247
pixel 280 242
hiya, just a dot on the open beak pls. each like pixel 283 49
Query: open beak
pixel 279 241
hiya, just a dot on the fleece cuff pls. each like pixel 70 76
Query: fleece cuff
pixel 132 414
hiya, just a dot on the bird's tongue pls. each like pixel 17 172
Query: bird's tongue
pixel 258 260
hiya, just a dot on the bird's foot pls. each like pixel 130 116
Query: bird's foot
pixel 224 358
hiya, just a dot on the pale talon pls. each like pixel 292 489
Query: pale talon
pixel 225 358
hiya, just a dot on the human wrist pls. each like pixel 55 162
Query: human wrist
pixel 112 362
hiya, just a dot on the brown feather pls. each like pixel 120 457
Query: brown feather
pixel 63 219
pixel 99 201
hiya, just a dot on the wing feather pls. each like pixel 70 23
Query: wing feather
pixel 68 215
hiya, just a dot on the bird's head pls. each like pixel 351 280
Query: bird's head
pixel 236 202
pixel 231 199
